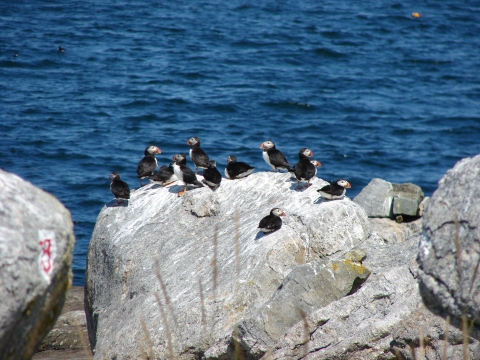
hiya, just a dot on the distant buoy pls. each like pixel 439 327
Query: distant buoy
pixel 416 15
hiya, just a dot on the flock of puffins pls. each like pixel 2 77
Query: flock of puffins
pixel 304 170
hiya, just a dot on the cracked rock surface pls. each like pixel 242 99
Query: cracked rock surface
pixel 449 255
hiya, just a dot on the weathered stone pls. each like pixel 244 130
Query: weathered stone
pixel 36 245
pixel 449 253
pixel 201 297
pixel 406 198
pixel 376 198
pixel 392 232
pixel 383 318
pixel 423 205
pixel 307 288
pixel 70 330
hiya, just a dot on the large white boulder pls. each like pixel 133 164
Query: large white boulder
pixel 205 284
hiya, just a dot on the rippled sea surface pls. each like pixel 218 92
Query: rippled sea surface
pixel 371 90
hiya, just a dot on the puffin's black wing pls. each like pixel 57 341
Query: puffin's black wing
pixel 333 189
pixel 212 176
pixel 200 158
pixel 277 159
pixel 189 176
pixel 270 223
pixel 238 169
pixel 120 189
pixel 163 174
pixel 304 169
pixel 146 166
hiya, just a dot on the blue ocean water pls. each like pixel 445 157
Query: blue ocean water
pixel 371 90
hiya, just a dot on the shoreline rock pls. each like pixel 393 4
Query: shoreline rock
pixel 36 246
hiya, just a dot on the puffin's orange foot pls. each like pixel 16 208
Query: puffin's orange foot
pixel 170 183
pixel 181 192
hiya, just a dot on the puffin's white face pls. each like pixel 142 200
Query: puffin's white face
pixel 213 163
pixel 344 183
pixel 278 212
pixel 308 152
pixel 267 145
pixel 178 157
pixel 113 175
pixel 316 163
pixel 154 150
pixel 231 158
pixel 192 141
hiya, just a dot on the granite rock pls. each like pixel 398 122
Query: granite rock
pixel 36 245
pixel 449 254
pixel 376 198
pixel 384 319
pixel 215 268
pixel 392 232
pixel 406 199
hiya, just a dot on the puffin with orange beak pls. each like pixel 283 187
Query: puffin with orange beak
pixel 185 175
pixel 274 157
pixel 272 222
pixel 148 164
pixel 335 190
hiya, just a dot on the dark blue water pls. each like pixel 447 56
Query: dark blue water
pixel 371 90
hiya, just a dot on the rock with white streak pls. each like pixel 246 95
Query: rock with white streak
pixel 215 268
pixel 36 246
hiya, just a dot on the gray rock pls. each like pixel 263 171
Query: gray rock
pixel 406 198
pixel 392 232
pixel 70 330
pixel 207 286
pixel 382 199
pixel 308 287
pixel 376 198
pixel 385 317
pixel 36 245
pixel 449 254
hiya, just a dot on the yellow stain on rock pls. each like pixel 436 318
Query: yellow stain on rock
pixel 356 267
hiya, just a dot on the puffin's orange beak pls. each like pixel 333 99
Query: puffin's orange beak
pixel 261 146
pixel 348 185
pixel 173 157
pixel 284 213
pixel 188 142
pixel 311 153
pixel 159 151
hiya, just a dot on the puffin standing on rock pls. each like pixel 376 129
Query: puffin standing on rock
pixel 185 175
pixel 237 170
pixel 335 190
pixel 272 222
pixel 274 157
pixel 148 164
pixel 119 188
pixel 197 155
pixel 165 175
pixel 212 176
pixel 305 169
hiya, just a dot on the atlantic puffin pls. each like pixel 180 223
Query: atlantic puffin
pixel 335 190
pixel 274 157
pixel 119 188
pixel 212 176
pixel 165 175
pixel 197 155
pixel 148 164
pixel 236 169
pixel 60 49
pixel 272 222
pixel 305 169
pixel 185 175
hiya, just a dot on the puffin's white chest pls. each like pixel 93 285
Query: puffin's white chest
pixel 226 174
pixel 178 173
pixel 266 158
pixel 190 153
